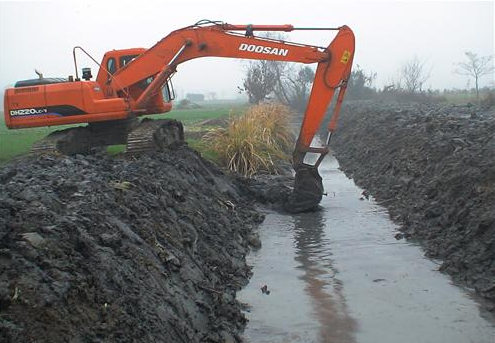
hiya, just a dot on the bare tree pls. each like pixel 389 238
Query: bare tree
pixel 476 67
pixel 293 85
pixel 262 76
pixel 260 81
pixel 211 96
pixel 288 84
pixel 413 75
pixel 360 83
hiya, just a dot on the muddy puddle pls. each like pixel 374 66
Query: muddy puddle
pixel 339 275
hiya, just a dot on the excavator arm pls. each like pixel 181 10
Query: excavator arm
pixel 221 40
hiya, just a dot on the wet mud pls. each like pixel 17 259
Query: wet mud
pixel 433 168
pixel 101 249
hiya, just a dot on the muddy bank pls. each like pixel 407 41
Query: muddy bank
pixel 433 167
pixel 98 249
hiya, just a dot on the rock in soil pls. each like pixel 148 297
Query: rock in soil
pixel 433 167
pixel 101 249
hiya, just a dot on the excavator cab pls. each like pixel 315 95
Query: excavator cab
pixel 115 60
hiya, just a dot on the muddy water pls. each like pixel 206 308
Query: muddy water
pixel 339 275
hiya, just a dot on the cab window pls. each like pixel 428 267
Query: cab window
pixel 111 66
pixel 168 91
pixel 126 59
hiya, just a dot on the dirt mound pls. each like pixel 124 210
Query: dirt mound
pixel 98 249
pixel 433 167
pixel 276 192
pixel 270 190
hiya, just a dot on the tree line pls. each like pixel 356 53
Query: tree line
pixel 291 84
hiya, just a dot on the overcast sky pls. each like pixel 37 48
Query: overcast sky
pixel 41 34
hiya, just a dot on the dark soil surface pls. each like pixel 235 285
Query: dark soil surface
pixel 433 167
pixel 101 249
pixel 272 191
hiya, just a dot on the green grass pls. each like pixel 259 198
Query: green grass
pixel 18 142
pixel 193 116
pixel 115 149
pixel 205 149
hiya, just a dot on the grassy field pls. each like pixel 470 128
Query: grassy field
pixel 18 142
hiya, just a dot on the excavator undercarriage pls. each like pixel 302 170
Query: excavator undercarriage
pixel 139 136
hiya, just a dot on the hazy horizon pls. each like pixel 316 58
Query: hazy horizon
pixel 41 35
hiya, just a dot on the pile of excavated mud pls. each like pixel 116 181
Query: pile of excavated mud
pixel 433 167
pixel 101 249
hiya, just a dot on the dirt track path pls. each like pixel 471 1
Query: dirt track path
pixel 339 275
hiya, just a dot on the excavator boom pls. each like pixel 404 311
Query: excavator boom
pixel 332 73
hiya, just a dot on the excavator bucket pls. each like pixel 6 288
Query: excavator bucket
pixel 308 190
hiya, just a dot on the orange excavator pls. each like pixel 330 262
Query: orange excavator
pixel 136 82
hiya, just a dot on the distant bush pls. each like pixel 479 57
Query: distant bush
pixel 360 86
pixel 256 141
pixel 186 104
pixel 401 95
pixel 489 99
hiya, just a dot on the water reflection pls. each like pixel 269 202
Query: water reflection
pixel 322 285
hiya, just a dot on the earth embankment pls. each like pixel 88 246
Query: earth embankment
pixel 102 249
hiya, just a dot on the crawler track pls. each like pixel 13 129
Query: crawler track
pixel 68 142
pixel 153 135
pixel 139 137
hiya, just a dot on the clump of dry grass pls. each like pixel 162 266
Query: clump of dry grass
pixel 256 141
